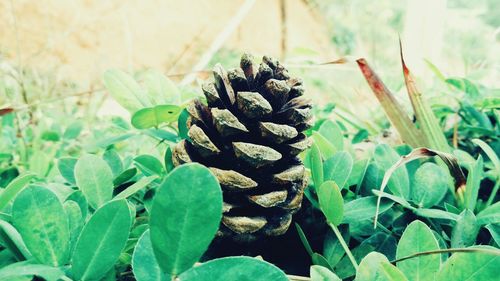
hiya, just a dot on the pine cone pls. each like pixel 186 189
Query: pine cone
pixel 250 134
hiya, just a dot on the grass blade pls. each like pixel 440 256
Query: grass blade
pixel 429 125
pixel 398 117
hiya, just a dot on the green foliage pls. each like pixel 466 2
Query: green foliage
pixel 39 217
pixel 144 263
pixel 97 198
pixel 234 268
pixel 101 241
pixel 192 198
pixel 416 238
pixel 94 178
pixel 331 202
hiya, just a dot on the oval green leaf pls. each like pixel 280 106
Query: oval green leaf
pixel 338 168
pixel 364 208
pixel 39 217
pixel 376 267
pixel 332 132
pixel 95 179
pixel 144 264
pixel 234 268
pixel 149 165
pixel 331 202
pixel 471 266
pixel 489 215
pixel 429 185
pixel 154 116
pixel 416 238
pixel 101 241
pixel 185 216
pixel 399 183
pixel 125 90
pixel 320 273
pixel 26 269
pixel 14 187
pixel 66 168
pixel 316 165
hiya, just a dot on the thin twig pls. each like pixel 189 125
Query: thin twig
pixel 284 29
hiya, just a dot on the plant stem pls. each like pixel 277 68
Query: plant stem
pixel 493 193
pixel 442 251
pixel 344 245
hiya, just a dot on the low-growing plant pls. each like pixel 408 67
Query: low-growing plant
pixel 106 202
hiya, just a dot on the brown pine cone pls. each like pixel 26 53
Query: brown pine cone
pixel 249 134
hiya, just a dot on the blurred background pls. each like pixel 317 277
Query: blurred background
pixel 61 48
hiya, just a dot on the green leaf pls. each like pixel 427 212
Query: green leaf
pixel 160 89
pixel 125 176
pixel 470 266
pixel 494 230
pixel 435 214
pixel 376 267
pixel 358 172
pixel 39 163
pixel 154 116
pixel 25 268
pixel 40 219
pixel 332 248
pixel 114 161
pixel 78 197
pixel 66 168
pixel 13 188
pixel 428 123
pixel 331 131
pixel 149 165
pixel 318 259
pixel 326 148
pixel 364 208
pixel 135 187
pixel 465 230
pixel 473 182
pixel 182 124
pixel 101 241
pixel 379 242
pixel 144 264
pixel 12 240
pixel 416 238
pixel 464 85
pixel 52 136
pixel 234 268
pixel 192 198
pixel 429 185
pixel 400 200
pixel 169 164
pixel 331 202
pixel 491 154
pixel 75 220
pixel 489 215
pixel 125 90
pixel 95 179
pixel 338 168
pixel 399 183
pixel 320 273
pixel 303 239
pixel 73 130
pixel 316 165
